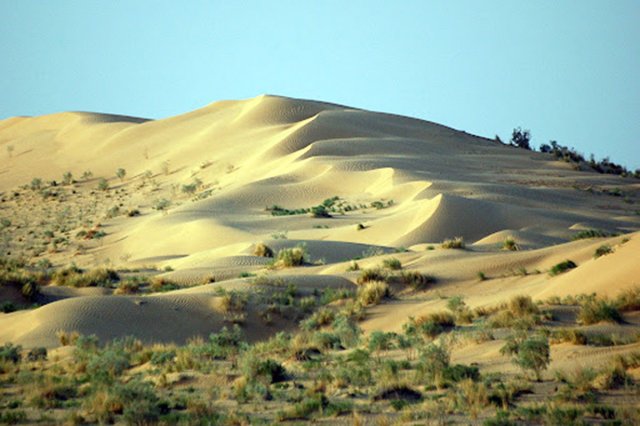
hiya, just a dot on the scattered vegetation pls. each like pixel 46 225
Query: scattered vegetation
pixel 602 251
pixel 291 257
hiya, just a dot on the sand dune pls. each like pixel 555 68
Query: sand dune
pixel 401 183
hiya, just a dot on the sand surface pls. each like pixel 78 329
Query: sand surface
pixel 409 183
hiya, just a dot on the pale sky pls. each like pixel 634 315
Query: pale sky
pixel 566 70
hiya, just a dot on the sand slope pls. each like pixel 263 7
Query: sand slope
pixel 406 182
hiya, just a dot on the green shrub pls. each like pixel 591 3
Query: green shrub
pixel 562 267
pixel 10 353
pixel 602 251
pixel 371 274
pixel 590 233
pixel 392 263
pixel 103 185
pixel 510 244
pixel 433 361
pixel 628 300
pixel 597 310
pixel 266 370
pixel 37 354
pixel 529 352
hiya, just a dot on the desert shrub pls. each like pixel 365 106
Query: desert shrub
pixel 162 357
pixel 262 250
pixel 602 251
pixel 75 277
pixel 290 257
pixel 36 184
pixel 371 274
pixel 189 188
pixel 597 310
pixel 161 204
pixel 454 243
pixel 397 392
pixel 481 276
pixel 432 362
pixel 521 138
pixel 392 263
pixel 459 372
pixel 253 367
pixel 628 300
pixel 320 318
pixel 430 325
pixel 416 280
pixel 37 354
pixel 326 340
pixel 13 417
pixel 121 173
pixel 529 352
pixel 162 284
pixel 320 211
pixel 105 365
pixel 103 185
pixel 510 244
pixel 473 396
pixel 52 394
pixel 577 386
pixel 558 416
pixel 373 292
pixel 129 286
pixel 304 409
pixel 571 335
pixel 590 233
pixel 562 267
pixel 7 307
pixel 347 330
pixel 380 341
pixel 10 353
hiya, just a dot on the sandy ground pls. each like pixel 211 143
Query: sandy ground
pixel 409 183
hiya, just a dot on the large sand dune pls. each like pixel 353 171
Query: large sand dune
pixel 409 183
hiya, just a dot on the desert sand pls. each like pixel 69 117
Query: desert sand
pixel 404 186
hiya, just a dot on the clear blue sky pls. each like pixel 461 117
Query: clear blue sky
pixel 566 70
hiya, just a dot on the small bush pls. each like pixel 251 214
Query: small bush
pixel 371 274
pixel 628 300
pixel 594 311
pixel 510 244
pixel 454 243
pixel 590 233
pixel 416 280
pixel 37 354
pixel 562 267
pixel 482 276
pixel 372 292
pixel 103 185
pixel 262 250
pixel 602 251
pixel 529 353
pixel 392 263
pixel 290 257
pixel 10 353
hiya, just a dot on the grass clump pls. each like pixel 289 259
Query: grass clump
pixel 430 325
pixel 73 276
pixel 373 292
pixel 602 251
pixel 628 300
pixel 371 274
pixel 262 250
pixel 598 310
pixel 562 267
pixel 290 257
pixel 510 244
pixel 416 280
pixel 519 312
pixel 453 243
pixel 392 263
